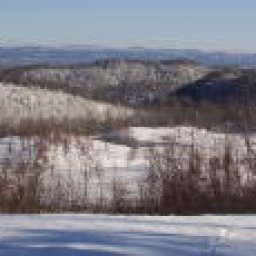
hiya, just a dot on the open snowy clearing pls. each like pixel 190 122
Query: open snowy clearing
pixel 40 235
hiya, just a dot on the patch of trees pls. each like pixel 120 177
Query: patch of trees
pixel 172 185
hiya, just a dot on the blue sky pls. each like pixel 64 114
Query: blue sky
pixel 202 24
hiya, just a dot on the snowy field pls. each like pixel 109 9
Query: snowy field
pixel 40 235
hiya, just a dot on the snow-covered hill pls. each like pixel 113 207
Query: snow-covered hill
pixel 130 82
pixel 18 103
pixel 114 73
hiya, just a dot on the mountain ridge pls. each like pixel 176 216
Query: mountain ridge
pixel 73 54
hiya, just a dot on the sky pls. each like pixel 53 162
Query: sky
pixel 174 24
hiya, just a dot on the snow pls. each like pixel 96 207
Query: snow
pixel 41 235
pixel 98 161
pixel 14 149
pixel 185 135
pixel 95 163
pixel 117 72
pixel 19 103
pixel 85 161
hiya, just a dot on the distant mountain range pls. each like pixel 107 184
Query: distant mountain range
pixel 32 55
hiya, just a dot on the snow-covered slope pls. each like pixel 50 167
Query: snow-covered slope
pixel 115 72
pixel 66 235
pixel 135 83
pixel 17 103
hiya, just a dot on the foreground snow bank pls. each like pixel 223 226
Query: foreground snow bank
pixel 40 235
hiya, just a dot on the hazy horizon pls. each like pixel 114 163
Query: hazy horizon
pixel 220 25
